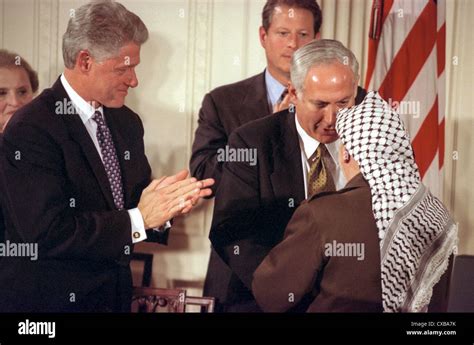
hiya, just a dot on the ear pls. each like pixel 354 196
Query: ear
pixel 262 34
pixel 292 93
pixel 317 36
pixel 346 156
pixel 84 61
pixel 356 84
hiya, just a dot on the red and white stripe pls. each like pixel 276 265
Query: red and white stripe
pixel 407 63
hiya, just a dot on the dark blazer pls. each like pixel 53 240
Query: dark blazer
pixel 253 205
pixel 57 195
pixel 2 221
pixel 223 110
pixel 301 265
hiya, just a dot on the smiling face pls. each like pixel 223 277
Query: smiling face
pixel 15 91
pixel 326 89
pixel 108 81
pixel 290 29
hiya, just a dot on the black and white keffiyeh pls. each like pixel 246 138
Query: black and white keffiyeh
pixel 417 235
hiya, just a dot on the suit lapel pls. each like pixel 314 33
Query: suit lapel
pixel 79 134
pixel 287 178
pixel 255 103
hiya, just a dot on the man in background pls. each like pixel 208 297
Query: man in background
pixel 75 178
pixel 286 26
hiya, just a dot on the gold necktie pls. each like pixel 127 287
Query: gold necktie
pixel 319 176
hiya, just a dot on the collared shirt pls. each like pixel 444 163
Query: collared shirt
pixel 85 111
pixel 274 89
pixel 307 147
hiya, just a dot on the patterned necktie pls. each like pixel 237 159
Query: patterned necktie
pixel 277 104
pixel 283 95
pixel 110 159
pixel 319 176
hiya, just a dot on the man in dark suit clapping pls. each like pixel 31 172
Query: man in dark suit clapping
pixel 76 182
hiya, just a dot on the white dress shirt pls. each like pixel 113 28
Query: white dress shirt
pixel 307 146
pixel 85 111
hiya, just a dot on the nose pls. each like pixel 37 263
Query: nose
pixel 293 41
pixel 14 100
pixel 330 115
pixel 133 82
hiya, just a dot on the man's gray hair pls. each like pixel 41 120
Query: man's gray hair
pixel 101 27
pixel 316 53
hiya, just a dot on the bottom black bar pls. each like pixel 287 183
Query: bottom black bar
pixel 236 329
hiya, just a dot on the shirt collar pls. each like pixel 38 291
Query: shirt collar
pixel 274 88
pixel 309 144
pixel 84 109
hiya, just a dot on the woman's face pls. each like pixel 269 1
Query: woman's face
pixel 15 91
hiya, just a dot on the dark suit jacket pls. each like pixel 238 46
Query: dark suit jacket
pixel 223 110
pixel 2 225
pixel 301 264
pixel 57 195
pixel 254 204
pixel 2 221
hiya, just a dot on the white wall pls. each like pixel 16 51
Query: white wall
pixel 195 46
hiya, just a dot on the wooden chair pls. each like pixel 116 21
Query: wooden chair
pixel 206 303
pixel 153 300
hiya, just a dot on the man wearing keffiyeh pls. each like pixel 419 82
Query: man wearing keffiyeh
pixel 407 233
pixel 417 235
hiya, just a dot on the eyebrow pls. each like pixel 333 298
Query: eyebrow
pixel 123 66
pixel 319 101
pixel 284 28
pixel 16 88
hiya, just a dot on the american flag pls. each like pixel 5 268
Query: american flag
pixel 406 64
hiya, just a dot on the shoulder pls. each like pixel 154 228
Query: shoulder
pixel 239 88
pixel 266 133
pixel 40 111
pixel 265 128
pixel 350 202
pixel 36 119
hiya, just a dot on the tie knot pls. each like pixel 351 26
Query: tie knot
pixel 97 117
pixel 318 153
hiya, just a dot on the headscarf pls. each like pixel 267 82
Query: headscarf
pixel 417 235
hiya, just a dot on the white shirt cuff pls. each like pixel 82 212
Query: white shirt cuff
pixel 164 227
pixel 138 226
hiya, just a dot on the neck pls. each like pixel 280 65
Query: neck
pixel 350 171
pixel 77 84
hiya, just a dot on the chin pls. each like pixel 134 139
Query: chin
pixel 115 104
pixel 327 139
